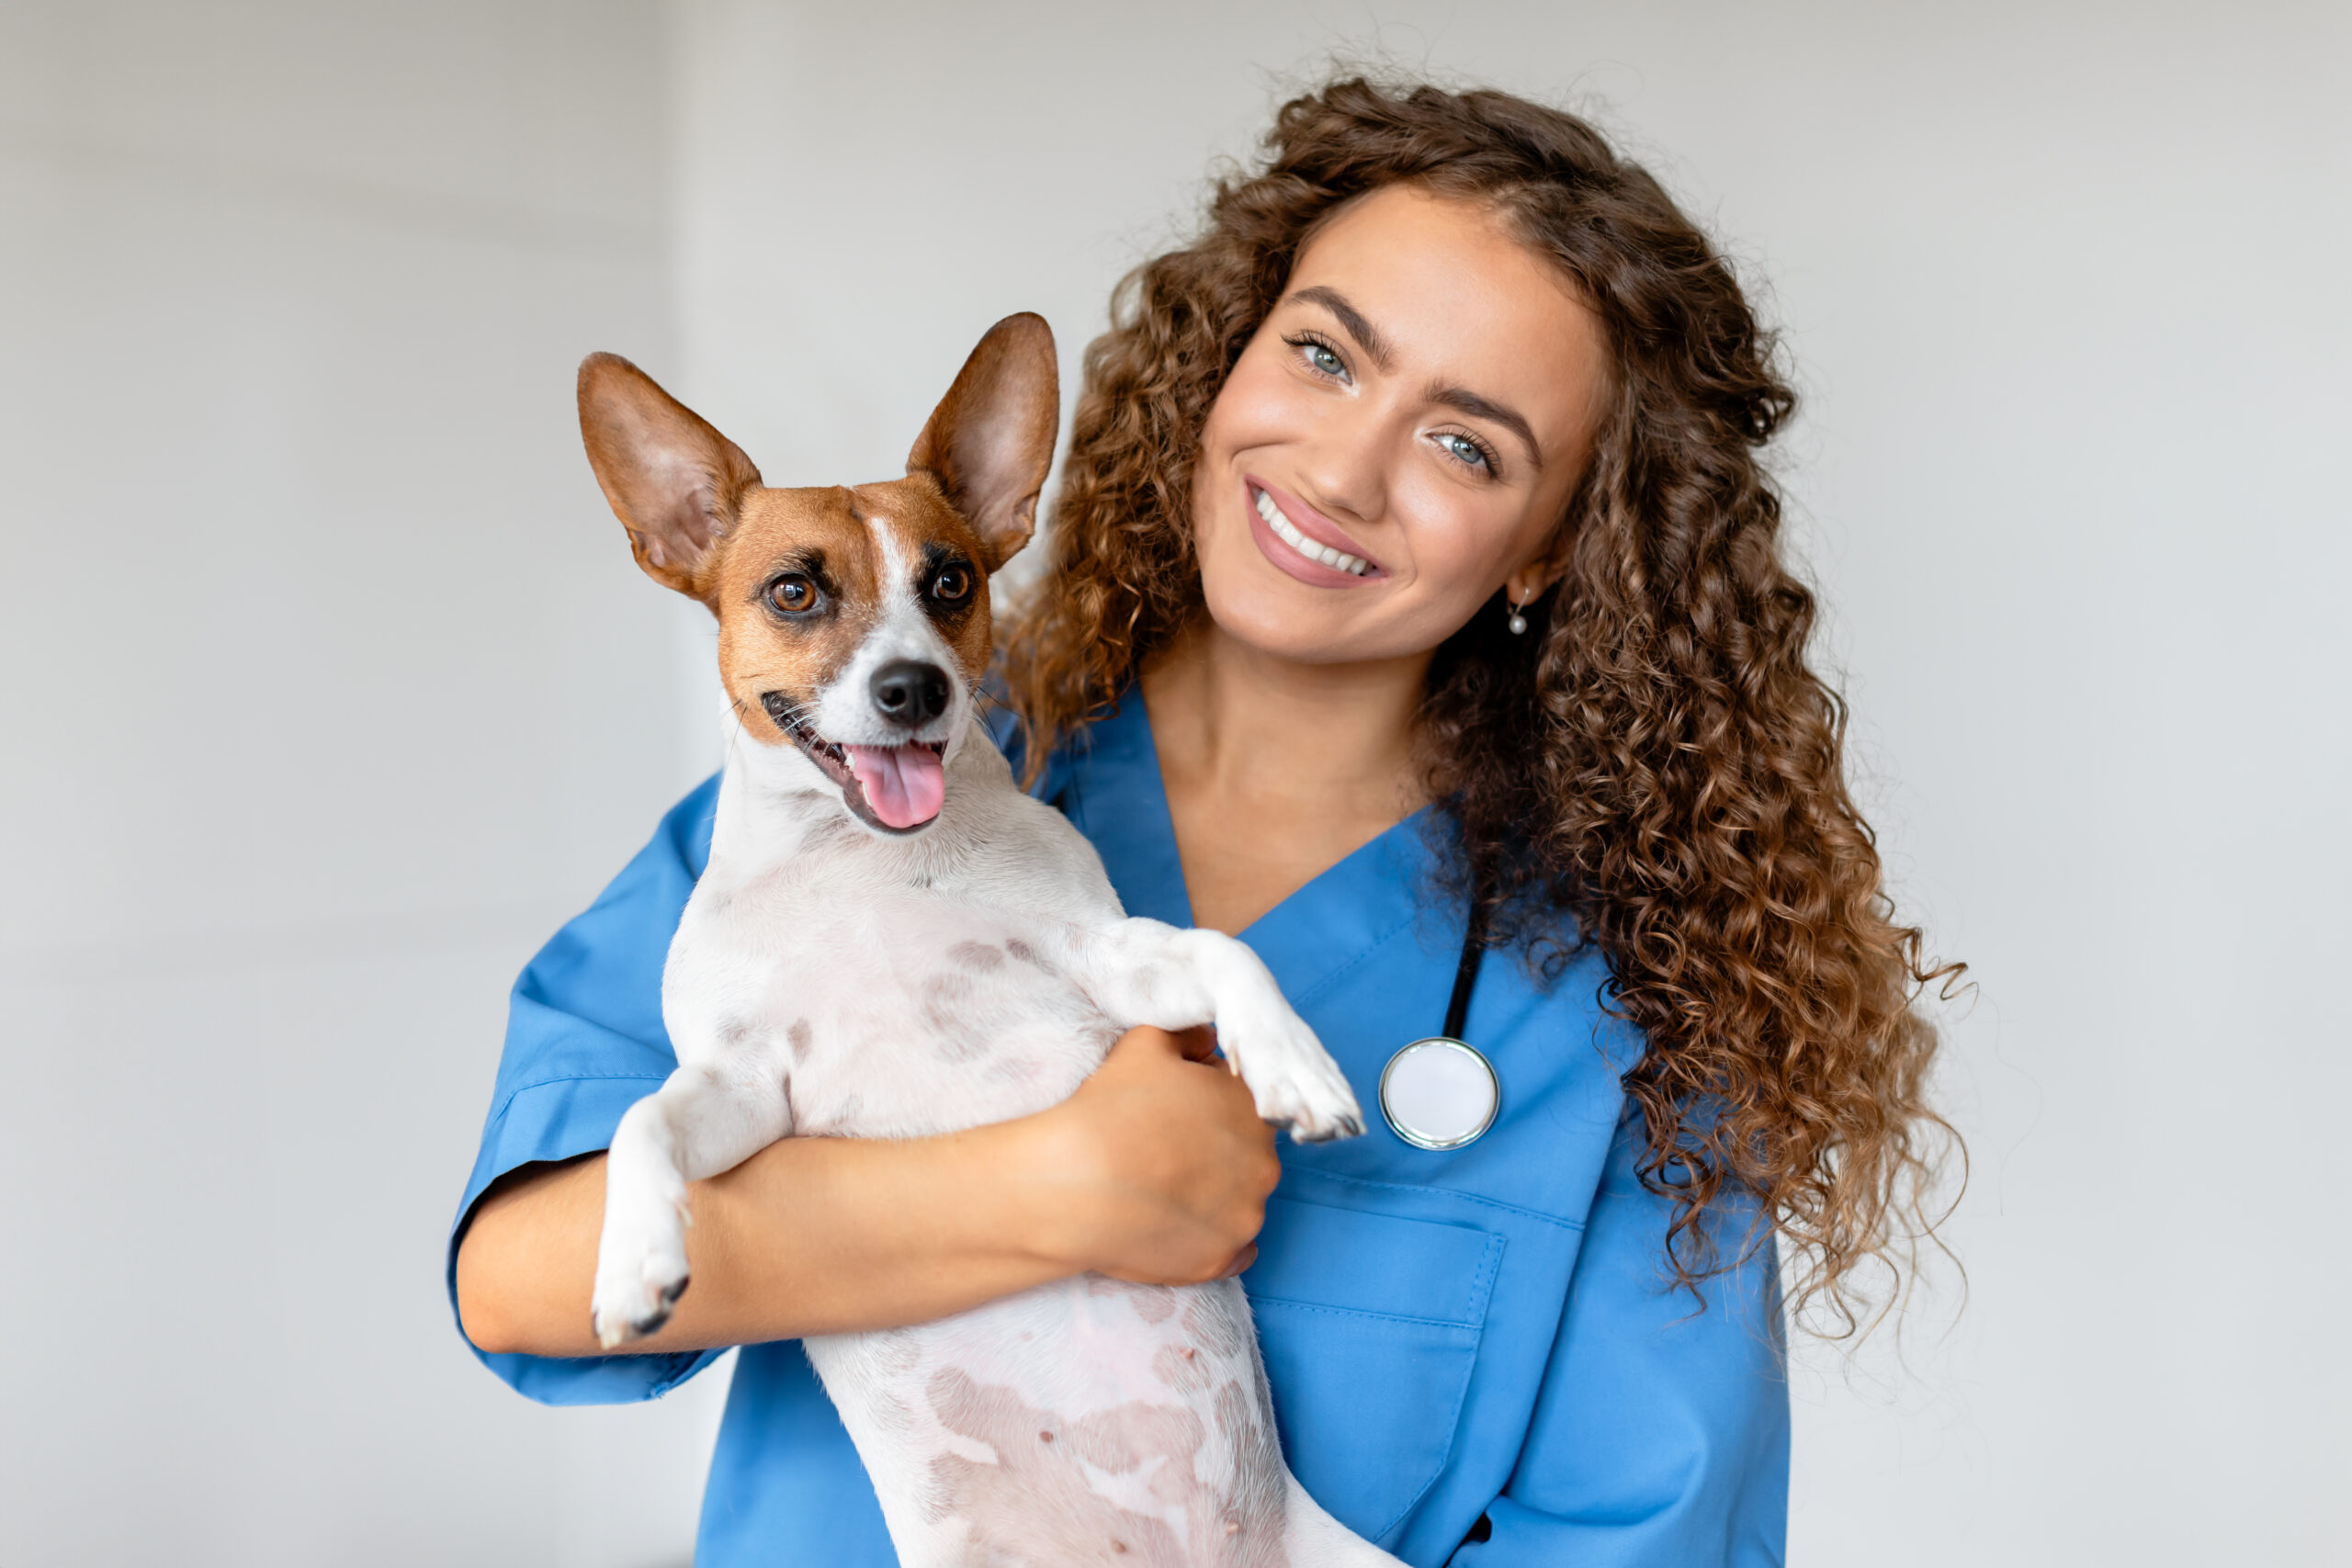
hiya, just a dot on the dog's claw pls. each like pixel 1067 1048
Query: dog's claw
pixel 665 1302
pixel 1349 1126
pixel 628 1307
pixel 1303 1090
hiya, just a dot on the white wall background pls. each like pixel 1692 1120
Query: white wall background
pixel 329 688
pixel 322 707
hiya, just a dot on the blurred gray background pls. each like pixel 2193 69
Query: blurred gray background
pixel 329 689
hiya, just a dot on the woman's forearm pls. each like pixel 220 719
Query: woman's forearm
pixel 1157 1170
pixel 810 1235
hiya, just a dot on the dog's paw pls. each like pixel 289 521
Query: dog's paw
pixel 638 1284
pixel 632 1309
pixel 1293 1079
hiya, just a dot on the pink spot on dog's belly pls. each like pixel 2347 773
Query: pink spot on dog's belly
pixel 1153 1304
pixel 1180 1368
pixel 1037 1503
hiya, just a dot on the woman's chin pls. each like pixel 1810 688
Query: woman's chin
pixel 1297 624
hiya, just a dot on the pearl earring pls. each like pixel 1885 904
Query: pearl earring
pixel 1518 618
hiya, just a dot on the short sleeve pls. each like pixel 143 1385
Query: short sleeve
pixel 584 1041
pixel 1660 1435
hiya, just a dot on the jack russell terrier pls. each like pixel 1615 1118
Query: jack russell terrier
pixel 893 941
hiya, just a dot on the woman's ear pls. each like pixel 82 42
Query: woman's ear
pixel 1524 586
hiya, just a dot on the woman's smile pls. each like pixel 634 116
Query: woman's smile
pixel 1304 543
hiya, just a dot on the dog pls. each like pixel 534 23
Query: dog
pixel 893 941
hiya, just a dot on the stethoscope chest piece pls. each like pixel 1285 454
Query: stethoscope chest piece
pixel 1439 1093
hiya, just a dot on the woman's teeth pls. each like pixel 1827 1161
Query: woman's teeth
pixel 1354 565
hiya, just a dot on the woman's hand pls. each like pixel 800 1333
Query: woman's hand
pixel 1156 1170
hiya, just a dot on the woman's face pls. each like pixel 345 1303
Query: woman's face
pixel 1420 403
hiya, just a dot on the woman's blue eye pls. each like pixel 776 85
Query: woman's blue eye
pixel 1320 356
pixel 1468 450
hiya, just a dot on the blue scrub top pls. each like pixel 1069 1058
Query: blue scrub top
pixel 1479 1342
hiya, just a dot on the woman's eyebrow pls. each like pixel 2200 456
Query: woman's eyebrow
pixel 1467 401
pixel 1367 336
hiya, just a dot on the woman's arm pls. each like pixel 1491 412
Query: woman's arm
pixel 1157 1170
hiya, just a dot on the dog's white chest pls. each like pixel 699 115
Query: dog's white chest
pixel 900 1014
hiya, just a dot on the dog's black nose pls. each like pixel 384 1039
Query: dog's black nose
pixel 908 692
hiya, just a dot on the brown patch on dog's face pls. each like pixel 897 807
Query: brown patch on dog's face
pixel 803 578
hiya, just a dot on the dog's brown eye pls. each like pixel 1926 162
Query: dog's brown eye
pixel 791 593
pixel 954 582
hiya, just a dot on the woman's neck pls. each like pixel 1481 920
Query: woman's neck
pixel 1275 770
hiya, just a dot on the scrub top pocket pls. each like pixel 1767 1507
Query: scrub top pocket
pixel 1369 1326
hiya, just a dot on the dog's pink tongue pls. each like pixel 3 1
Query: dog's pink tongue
pixel 904 784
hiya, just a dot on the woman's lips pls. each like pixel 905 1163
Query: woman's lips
pixel 1303 542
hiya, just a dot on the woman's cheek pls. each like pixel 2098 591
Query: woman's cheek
pixel 1458 540
pixel 1257 406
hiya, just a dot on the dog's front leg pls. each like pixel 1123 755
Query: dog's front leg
pixel 709 1117
pixel 1142 972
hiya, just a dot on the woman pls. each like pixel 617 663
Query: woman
pixel 1415 591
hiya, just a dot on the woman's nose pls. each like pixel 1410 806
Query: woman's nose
pixel 1347 462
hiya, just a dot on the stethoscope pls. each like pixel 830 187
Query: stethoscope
pixel 1440 1093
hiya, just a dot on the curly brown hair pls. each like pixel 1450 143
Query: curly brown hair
pixel 1661 765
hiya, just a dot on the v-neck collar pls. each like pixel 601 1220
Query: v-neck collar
pixel 1116 795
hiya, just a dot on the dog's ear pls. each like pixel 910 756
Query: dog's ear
pixel 990 440
pixel 673 481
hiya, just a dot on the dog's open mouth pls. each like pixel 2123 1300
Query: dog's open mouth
pixel 896 788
